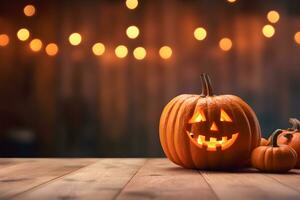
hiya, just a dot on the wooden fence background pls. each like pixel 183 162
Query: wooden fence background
pixel 77 104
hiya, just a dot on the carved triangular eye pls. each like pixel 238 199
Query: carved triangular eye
pixel 197 117
pixel 225 117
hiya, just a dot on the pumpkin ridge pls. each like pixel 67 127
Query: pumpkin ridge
pixel 164 118
pixel 270 158
pixel 253 120
pixel 206 153
pixel 273 161
pixel 171 127
pixel 194 153
pixel 250 131
pixel 228 103
pixel 265 158
pixel 255 156
pixel 261 158
pixel 190 144
pixel 211 110
pixel 163 124
pixel 254 123
pixel 179 121
pixel 220 105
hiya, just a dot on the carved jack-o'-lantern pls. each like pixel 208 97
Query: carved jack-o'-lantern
pixel 214 138
pixel 207 131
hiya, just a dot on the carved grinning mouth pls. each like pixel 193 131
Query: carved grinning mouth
pixel 213 144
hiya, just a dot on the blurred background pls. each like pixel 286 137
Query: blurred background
pixel 90 78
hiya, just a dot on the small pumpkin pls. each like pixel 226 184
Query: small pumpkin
pixel 207 131
pixel 291 137
pixel 274 158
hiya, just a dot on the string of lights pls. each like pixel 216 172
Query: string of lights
pixel 132 32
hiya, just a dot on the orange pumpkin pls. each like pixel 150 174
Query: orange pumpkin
pixel 274 158
pixel 207 131
pixel 291 137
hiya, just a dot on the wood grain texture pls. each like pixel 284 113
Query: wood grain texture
pixel 30 173
pixel 248 184
pixel 134 178
pixel 102 180
pixel 161 179
pixel 292 179
pixel 8 162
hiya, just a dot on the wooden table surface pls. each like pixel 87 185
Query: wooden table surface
pixel 136 178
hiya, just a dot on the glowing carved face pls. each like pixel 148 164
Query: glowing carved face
pixel 216 141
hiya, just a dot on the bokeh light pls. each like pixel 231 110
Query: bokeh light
pixel 4 40
pixel 268 31
pixel 132 32
pixel 131 4
pixel 165 52
pixel 225 44
pixel 29 10
pixel 273 16
pixel 36 45
pixel 51 49
pixel 98 49
pixel 297 37
pixel 121 51
pixel 23 34
pixel 231 1
pixel 75 39
pixel 200 33
pixel 139 53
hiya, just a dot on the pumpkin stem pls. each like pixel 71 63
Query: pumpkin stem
pixel 206 85
pixel 274 137
pixel 203 83
pixel 295 124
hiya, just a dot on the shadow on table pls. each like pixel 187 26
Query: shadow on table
pixel 240 171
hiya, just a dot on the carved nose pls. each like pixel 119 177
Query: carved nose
pixel 214 127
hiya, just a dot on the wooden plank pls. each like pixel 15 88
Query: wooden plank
pixel 248 184
pixel 291 179
pixel 103 180
pixel 161 179
pixel 8 162
pixel 24 176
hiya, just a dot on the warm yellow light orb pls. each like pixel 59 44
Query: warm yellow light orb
pixel 4 40
pixel 98 49
pixel 268 31
pixel 132 32
pixel 200 33
pixel 75 39
pixel 29 10
pixel 273 16
pixel 165 52
pixel 225 44
pixel 36 45
pixel 231 1
pixel 297 37
pixel 121 51
pixel 132 4
pixel 139 53
pixel 23 34
pixel 51 49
